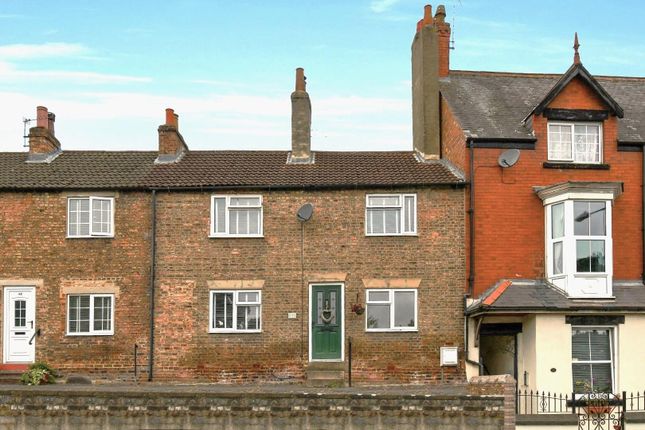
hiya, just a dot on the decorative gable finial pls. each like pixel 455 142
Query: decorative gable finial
pixel 576 45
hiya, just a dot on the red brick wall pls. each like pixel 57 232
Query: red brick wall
pixel 334 242
pixel 510 217
pixel 34 246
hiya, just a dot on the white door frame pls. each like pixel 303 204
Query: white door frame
pixel 6 316
pixel 342 320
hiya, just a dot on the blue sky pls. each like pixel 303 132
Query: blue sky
pixel 109 69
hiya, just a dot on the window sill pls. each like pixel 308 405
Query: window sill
pixel 391 330
pixel 236 236
pixel 234 331
pixel 571 165
pixel 392 235
pixel 90 237
pixel 89 334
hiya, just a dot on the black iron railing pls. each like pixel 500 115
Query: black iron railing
pixel 545 402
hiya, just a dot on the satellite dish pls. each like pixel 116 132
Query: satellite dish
pixel 508 158
pixel 305 212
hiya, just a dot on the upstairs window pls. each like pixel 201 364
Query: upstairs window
pixel 90 217
pixel 236 216
pixel 579 246
pixel 575 142
pixel 391 214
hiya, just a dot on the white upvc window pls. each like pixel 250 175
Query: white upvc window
pixel 236 216
pixel 391 310
pixel 579 246
pixel 592 356
pixel 90 314
pixel 575 142
pixel 390 214
pixel 90 216
pixel 235 311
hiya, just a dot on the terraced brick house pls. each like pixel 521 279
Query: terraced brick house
pixel 232 266
pixel 554 234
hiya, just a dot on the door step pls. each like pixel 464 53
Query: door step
pixel 326 374
pixel 11 377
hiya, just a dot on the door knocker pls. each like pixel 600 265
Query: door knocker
pixel 326 314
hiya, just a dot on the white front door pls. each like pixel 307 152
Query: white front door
pixel 19 324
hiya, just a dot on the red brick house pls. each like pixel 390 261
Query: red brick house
pixel 232 266
pixel 554 234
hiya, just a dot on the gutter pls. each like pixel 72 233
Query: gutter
pixel 153 267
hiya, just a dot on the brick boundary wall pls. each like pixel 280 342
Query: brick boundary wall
pixel 503 385
pixel 95 407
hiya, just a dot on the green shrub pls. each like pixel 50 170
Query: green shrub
pixel 39 373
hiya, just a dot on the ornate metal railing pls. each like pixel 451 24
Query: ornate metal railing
pixel 545 402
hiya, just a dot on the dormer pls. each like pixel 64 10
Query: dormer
pixel 576 111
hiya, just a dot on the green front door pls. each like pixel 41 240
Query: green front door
pixel 326 322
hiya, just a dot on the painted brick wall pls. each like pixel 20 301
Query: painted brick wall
pixel 334 242
pixel 34 247
pixel 509 217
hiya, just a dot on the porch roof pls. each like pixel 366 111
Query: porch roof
pixel 538 296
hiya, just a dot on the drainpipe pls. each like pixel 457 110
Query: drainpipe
pixel 643 207
pixel 471 221
pixel 153 252
pixel 471 254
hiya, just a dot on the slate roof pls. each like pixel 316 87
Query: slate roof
pixel 538 296
pixel 493 105
pixel 262 169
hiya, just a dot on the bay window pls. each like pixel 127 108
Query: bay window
pixel 578 247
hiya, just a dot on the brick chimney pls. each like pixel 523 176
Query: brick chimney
pixel 300 122
pixel 172 146
pixel 430 62
pixel 43 145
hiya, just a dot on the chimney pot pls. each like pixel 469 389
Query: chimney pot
pixel 42 117
pixel 301 80
pixel 419 25
pixel 440 16
pixel 427 15
pixel 51 119
pixel 170 117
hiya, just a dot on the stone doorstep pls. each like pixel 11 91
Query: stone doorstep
pixel 325 374
pixel 10 367
pixel 326 365
pixel 11 377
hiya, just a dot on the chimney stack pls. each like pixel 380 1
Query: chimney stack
pixel 430 62
pixel 43 145
pixel 300 122
pixel 172 146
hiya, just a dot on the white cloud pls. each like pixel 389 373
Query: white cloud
pixel 380 6
pixel 21 51
pixel 9 73
pixel 128 120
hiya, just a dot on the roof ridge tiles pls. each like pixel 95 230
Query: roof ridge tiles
pixel 539 75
